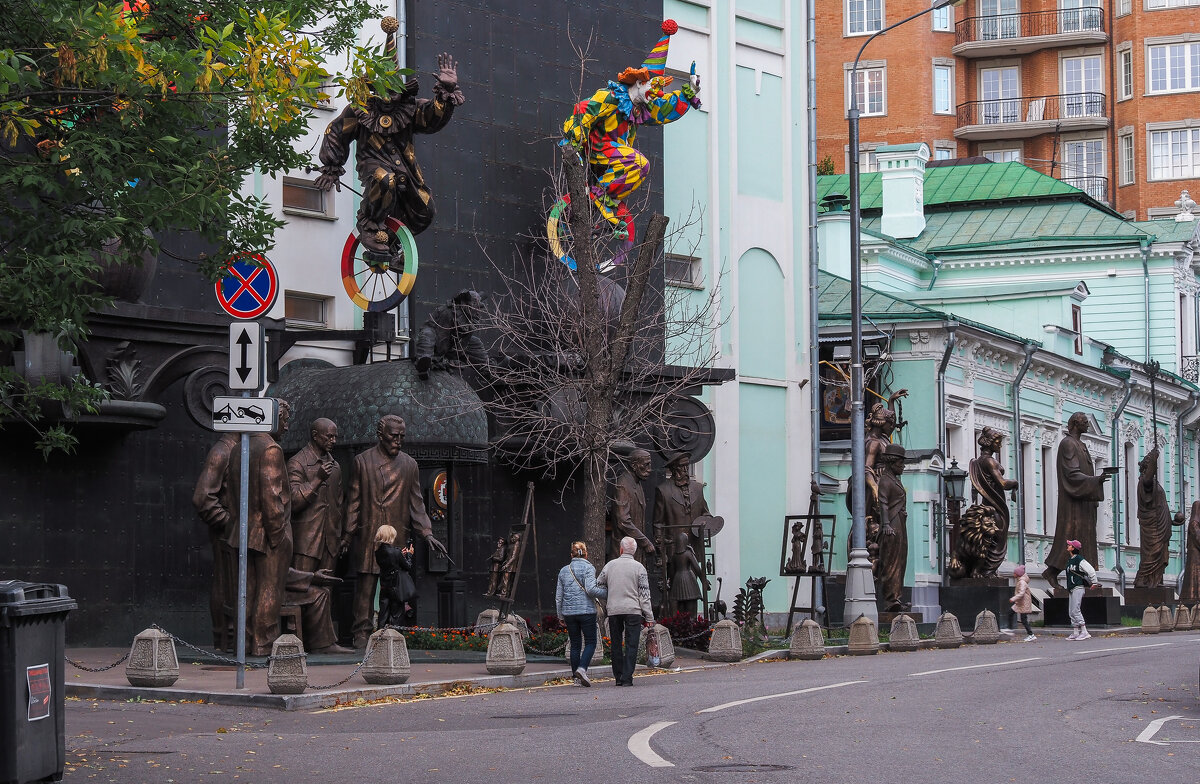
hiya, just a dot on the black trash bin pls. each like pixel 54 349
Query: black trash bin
pixel 33 620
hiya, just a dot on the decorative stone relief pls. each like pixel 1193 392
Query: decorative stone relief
pixel 1133 433
pixel 956 416
pixel 122 368
pixel 1050 435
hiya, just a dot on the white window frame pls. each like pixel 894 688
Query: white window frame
pixel 1164 5
pixel 873 66
pixel 866 28
pixel 695 272
pixel 1097 169
pixel 1125 71
pixel 1082 102
pixel 327 201
pixel 942 19
pixel 867 160
pixel 1190 47
pixel 1124 7
pixel 1017 158
pixel 325 303
pixel 1006 109
pixel 1192 130
pixel 943 64
pixel 1126 159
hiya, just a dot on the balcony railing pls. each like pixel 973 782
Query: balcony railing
pixel 1096 187
pixel 1033 109
pixel 999 27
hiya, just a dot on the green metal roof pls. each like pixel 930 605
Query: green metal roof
pixel 1168 229
pixel 962 184
pixel 1017 227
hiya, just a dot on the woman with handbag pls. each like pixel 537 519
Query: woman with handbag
pixel 574 603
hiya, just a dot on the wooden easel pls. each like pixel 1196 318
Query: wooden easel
pixel 528 529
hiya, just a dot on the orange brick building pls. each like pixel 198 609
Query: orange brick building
pixel 1104 94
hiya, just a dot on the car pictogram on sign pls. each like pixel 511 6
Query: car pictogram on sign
pixel 252 412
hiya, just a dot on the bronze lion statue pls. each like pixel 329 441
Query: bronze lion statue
pixel 976 530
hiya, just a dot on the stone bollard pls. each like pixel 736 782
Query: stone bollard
pixel 987 629
pixel 386 662
pixel 1166 620
pixel 287 672
pixel 725 644
pixel 1183 618
pixel 506 651
pixel 948 634
pixel 486 621
pixel 1150 620
pixel 520 623
pixel 1195 611
pixel 864 637
pixel 666 650
pixel 808 641
pixel 903 635
pixel 152 660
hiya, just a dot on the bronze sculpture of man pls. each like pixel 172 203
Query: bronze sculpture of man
pixel 496 566
pixel 987 478
pixel 1080 491
pixel 384 488
pixel 679 501
pixel 893 529
pixel 386 160
pixel 627 508
pixel 307 590
pixel 1154 523
pixel 316 490
pixel 216 502
pixel 508 569
pixel 1189 589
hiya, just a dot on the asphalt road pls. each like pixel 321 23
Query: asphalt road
pixel 1104 711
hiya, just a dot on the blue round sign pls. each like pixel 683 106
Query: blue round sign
pixel 249 287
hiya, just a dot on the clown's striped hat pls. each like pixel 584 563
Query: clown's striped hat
pixel 656 61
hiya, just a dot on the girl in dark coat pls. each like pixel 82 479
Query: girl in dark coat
pixel 397 591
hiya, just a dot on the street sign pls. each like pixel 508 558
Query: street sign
pixel 245 414
pixel 247 355
pixel 250 288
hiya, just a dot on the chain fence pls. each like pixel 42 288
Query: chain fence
pixel 85 668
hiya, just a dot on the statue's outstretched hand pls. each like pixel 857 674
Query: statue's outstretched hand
pixel 436 546
pixel 324 577
pixel 692 87
pixel 328 182
pixel 447 70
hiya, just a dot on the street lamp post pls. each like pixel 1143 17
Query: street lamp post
pixel 860 584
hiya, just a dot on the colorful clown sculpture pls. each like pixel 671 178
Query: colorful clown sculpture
pixel 603 128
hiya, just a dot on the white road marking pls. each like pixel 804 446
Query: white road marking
pixel 974 666
pixel 1125 648
pixel 639 745
pixel 723 706
pixel 1153 727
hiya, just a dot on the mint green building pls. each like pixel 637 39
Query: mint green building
pixel 1001 297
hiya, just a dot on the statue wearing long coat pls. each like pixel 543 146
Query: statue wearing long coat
pixel 316 511
pixel 1155 526
pixel 1080 491
pixel 627 516
pixel 1189 590
pixel 893 547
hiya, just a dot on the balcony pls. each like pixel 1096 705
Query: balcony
pixel 1096 187
pixel 1020 118
pixel 1002 35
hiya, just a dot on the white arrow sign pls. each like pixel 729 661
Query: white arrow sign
pixel 245 414
pixel 247 355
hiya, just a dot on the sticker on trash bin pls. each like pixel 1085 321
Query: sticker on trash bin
pixel 38 678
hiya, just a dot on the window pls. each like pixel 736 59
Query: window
pixel 1082 84
pixel 943 153
pixel 998 19
pixel 943 89
pixel 1154 5
pixel 1083 167
pixel 1049 495
pixel 682 270
pixel 1077 327
pixel 305 310
pixel 304 197
pixel 1001 92
pixel 1077 15
pixel 1175 154
pixel 1124 7
pixel 943 19
pixel 1125 147
pixel 1002 156
pixel 870 90
pixel 864 16
pixel 1124 74
pixel 1173 67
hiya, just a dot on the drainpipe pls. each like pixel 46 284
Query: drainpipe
pixel 943 446
pixel 1116 485
pixel 1016 389
pixel 1146 295
pixel 937 267
pixel 1193 404
pixel 402 33
pixel 814 324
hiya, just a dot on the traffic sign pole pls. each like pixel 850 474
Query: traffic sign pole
pixel 243 547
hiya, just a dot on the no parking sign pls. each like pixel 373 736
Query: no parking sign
pixel 250 288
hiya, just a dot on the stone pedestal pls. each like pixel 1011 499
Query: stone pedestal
pixel 966 598
pixel 1183 618
pixel 486 621
pixel 152 660
pixel 1150 620
pixel 506 652
pixel 1166 619
pixel 725 644
pixel 864 637
pixel 666 650
pixel 387 661
pixel 1147 597
pixel 808 641
pixel 287 672
pixel 1100 607
pixel 948 633
pixel 903 634
pixel 987 631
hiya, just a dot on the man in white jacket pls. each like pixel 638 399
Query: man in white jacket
pixel 628 608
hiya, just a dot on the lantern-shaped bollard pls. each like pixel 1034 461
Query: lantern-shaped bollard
pixel 1166 619
pixel 506 652
pixel 666 649
pixel 948 633
pixel 987 630
pixel 864 637
pixel 808 641
pixel 903 635
pixel 725 643
pixel 287 672
pixel 1183 618
pixel 386 662
pixel 486 621
pixel 152 660
pixel 1150 620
